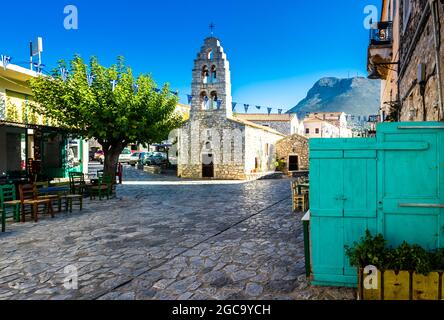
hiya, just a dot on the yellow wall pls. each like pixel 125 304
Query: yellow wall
pixel 15 97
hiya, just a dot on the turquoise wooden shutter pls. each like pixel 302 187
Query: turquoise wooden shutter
pixel 360 184
pixel 326 177
pixel 411 185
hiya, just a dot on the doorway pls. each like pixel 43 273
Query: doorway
pixel 207 166
pixel 293 163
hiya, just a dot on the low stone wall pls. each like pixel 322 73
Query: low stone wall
pixel 189 171
pixel 152 169
pixel 221 172
pixel 229 172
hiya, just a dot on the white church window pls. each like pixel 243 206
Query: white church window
pixel 210 54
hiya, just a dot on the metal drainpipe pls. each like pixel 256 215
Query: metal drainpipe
pixel 434 9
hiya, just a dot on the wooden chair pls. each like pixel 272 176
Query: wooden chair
pixel 29 197
pixel 55 199
pixel 300 199
pixel 9 205
pixel 103 188
pixel 77 183
pixel 73 198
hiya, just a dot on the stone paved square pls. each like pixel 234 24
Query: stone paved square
pixel 165 238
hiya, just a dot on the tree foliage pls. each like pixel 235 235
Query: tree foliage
pixel 135 111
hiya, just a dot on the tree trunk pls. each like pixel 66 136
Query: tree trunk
pixel 111 160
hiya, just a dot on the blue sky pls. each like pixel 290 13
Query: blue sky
pixel 277 49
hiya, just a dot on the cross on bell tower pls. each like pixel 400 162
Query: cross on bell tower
pixel 212 26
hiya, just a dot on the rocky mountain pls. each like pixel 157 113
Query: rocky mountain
pixel 355 96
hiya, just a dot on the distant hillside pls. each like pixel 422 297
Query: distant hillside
pixel 356 96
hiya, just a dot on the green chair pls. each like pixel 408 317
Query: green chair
pixel 77 183
pixel 9 205
pixel 103 188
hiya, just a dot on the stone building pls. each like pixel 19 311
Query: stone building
pixel 405 51
pixel 212 143
pixel 287 124
pixel 293 152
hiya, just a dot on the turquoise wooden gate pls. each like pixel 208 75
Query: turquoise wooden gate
pixel 392 184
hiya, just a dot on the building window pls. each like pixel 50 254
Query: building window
pixel 307 131
pixel 267 149
pixel 317 130
pixel 210 54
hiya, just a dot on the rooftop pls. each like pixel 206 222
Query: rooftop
pixel 265 117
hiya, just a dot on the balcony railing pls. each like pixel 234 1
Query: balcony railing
pixel 381 33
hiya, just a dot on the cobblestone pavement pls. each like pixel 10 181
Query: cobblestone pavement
pixel 180 240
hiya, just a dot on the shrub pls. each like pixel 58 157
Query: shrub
pixel 409 257
pixel 370 251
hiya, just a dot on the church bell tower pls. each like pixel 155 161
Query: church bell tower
pixel 211 84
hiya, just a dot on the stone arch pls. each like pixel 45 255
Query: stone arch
pixel 214 98
pixel 205 74
pixel 210 54
pixel 204 100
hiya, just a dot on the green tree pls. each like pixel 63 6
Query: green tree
pixel 134 111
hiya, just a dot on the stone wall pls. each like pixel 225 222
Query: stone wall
pixel 423 52
pixel 209 132
pixel 293 145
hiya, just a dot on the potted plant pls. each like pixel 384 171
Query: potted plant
pixel 406 272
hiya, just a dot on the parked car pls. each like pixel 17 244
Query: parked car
pixel 135 158
pixel 125 156
pixel 98 155
pixel 156 159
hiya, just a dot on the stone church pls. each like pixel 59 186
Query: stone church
pixel 213 143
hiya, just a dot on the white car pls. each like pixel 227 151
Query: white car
pixel 125 156
pixel 135 158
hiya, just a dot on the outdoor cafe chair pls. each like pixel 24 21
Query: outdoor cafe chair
pixel 77 183
pixel 71 198
pixel 9 205
pixel 46 193
pixel 29 198
pixel 104 187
